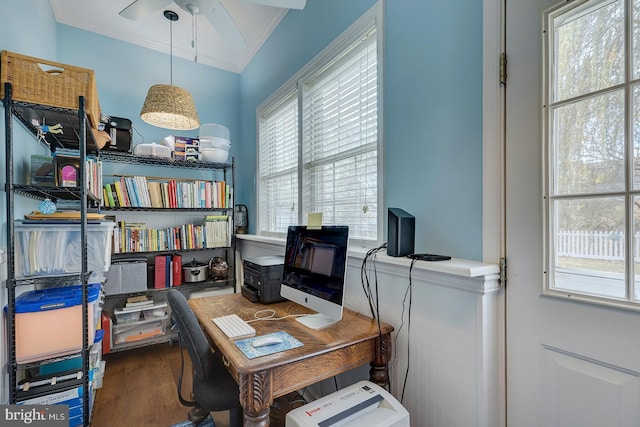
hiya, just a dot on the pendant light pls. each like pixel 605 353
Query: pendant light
pixel 169 106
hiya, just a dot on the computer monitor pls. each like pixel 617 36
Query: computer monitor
pixel 314 268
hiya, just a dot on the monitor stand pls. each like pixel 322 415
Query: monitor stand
pixel 317 321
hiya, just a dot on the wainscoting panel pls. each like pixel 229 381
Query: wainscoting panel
pixel 445 365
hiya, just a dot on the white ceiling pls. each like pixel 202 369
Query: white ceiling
pixel 153 31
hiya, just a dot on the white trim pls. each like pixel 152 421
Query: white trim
pixel 493 155
pixel 494 199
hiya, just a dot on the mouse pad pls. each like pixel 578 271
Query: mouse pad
pixel 251 352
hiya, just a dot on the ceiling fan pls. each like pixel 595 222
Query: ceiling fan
pixel 213 10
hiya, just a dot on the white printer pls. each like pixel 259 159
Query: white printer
pixel 362 404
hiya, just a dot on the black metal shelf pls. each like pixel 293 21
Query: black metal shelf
pixel 74 133
pixel 141 209
pixel 114 156
pixel 42 192
pixel 166 251
pixel 55 281
pixel 30 115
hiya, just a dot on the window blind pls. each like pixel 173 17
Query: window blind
pixel 340 140
pixel 318 139
pixel 278 166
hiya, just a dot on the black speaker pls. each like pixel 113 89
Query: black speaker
pixel 401 232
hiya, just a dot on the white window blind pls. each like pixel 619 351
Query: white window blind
pixel 318 139
pixel 278 166
pixel 340 139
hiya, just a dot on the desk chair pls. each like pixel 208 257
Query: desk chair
pixel 214 389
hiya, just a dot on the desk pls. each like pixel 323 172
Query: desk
pixel 352 342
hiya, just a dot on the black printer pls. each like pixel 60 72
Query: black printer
pixel 262 278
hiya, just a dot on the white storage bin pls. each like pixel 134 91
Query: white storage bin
pixel 55 249
pixel 152 149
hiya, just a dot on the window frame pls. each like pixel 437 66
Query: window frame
pixel 550 247
pixel 373 18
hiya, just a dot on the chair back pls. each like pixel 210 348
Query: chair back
pixel 190 333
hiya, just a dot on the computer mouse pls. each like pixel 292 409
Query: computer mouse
pixel 265 341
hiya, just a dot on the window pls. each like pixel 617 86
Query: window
pixel 592 150
pixel 319 137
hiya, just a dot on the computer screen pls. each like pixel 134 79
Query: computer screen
pixel 314 270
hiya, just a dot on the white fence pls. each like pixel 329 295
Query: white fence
pixel 607 245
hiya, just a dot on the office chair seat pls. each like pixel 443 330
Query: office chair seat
pixel 214 389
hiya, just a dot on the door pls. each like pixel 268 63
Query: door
pixel 568 363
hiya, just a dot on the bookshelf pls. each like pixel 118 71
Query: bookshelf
pixel 169 213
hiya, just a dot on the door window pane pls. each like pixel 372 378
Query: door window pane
pixel 589 48
pixel 590 246
pixel 589 145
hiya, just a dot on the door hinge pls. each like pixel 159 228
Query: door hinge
pixel 503 68
pixel 503 272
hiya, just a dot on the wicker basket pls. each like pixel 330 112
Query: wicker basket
pixel 59 85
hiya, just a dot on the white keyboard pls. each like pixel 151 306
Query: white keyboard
pixel 233 326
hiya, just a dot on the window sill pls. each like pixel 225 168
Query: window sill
pixel 454 266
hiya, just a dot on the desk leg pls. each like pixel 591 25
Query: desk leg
pixel 256 398
pixel 379 374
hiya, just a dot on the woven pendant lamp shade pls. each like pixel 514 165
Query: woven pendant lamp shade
pixel 170 107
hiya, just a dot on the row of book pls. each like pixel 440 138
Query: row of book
pixel 141 192
pixel 167 271
pixel 94 176
pixel 215 232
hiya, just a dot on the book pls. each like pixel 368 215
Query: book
pixel 177 270
pixel 110 201
pixel 155 194
pixel 137 298
pixel 160 272
pixel 168 272
pixel 123 194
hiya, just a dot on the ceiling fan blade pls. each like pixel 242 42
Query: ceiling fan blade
pixel 141 8
pixel 224 24
pixel 285 4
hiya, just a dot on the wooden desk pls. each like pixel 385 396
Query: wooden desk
pixel 352 342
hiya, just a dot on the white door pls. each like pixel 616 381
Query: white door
pixel 569 363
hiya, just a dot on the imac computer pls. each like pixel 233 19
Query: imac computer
pixel 313 276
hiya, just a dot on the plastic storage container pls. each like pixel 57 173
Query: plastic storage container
pixel 72 398
pixel 137 331
pixel 152 149
pixel 99 375
pixel 215 130
pixel 49 322
pixel 130 315
pixel 123 317
pixel 55 249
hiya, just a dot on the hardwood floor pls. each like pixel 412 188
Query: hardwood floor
pixel 139 389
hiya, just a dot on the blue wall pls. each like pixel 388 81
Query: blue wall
pixel 17 36
pixel 432 108
pixel 432 98
pixel 124 72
